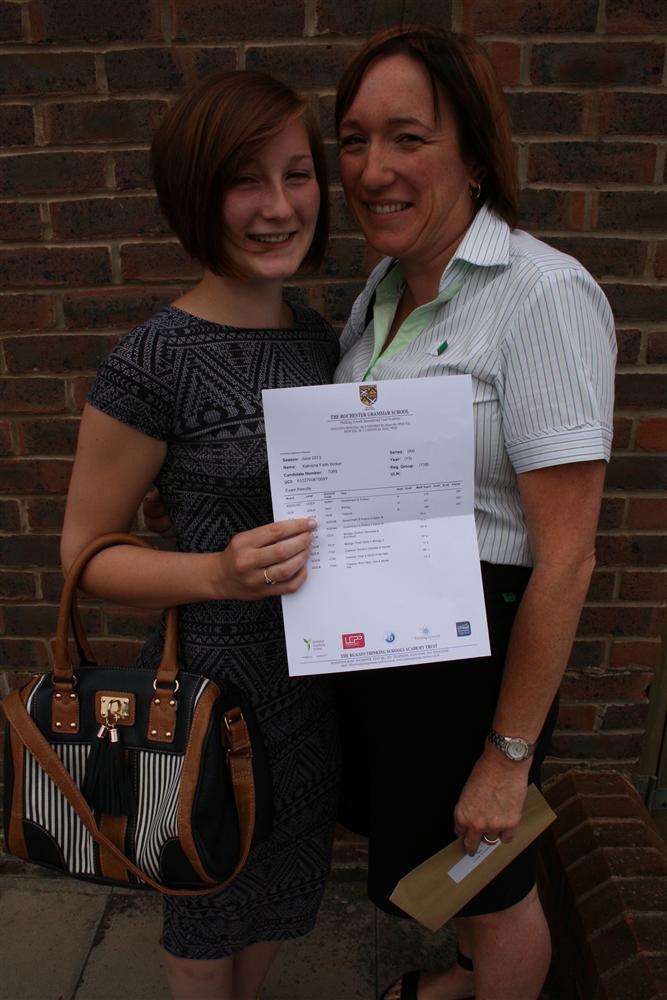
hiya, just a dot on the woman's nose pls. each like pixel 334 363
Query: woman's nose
pixel 376 171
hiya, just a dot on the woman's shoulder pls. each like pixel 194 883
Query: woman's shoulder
pixel 533 257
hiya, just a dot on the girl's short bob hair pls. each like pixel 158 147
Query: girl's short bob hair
pixel 460 68
pixel 203 141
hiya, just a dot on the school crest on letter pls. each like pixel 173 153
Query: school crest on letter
pixel 368 394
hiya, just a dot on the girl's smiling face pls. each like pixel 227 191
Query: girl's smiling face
pixel 404 175
pixel 270 210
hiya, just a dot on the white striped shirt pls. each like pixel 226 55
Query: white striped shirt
pixel 536 333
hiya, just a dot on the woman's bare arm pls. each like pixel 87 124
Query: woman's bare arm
pixel 113 468
pixel 561 505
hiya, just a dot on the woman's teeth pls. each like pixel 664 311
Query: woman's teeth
pixel 388 208
pixel 270 237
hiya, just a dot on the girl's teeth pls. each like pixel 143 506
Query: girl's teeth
pixel 271 239
pixel 388 209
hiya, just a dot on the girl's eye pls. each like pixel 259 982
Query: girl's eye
pixel 244 179
pixel 299 175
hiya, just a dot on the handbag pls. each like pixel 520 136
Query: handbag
pixel 129 778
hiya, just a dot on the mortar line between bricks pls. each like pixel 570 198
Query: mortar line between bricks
pixel 625 964
pixel 525 58
pixel 310 19
pixel 588 211
pixel 101 75
pixel 332 38
pixel 346 234
pixel 657 89
pixel 128 96
pixel 603 188
pixel 601 25
pixel 166 22
pixel 586 860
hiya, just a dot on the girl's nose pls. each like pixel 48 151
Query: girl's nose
pixel 277 204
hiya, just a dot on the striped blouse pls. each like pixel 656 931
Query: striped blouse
pixel 536 333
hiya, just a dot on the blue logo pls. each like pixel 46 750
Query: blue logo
pixel 390 637
pixel 463 628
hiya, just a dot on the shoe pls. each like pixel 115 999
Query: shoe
pixel 409 981
pixel 409 986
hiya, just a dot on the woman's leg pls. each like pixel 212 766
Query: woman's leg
pixel 238 977
pixel 511 950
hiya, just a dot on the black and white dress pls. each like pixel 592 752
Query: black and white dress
pixel 197 385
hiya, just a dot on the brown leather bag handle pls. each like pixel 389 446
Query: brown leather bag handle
pixel 62 671
pixel 242 782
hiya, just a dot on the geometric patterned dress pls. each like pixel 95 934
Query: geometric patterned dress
pixel 197 385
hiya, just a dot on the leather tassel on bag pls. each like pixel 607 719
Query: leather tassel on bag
pixel 107 785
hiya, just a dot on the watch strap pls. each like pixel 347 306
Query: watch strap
pixel 501 742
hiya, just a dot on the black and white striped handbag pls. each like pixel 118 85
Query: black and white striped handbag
pixel 116 775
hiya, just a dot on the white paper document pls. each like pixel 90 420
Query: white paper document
pixel 386 469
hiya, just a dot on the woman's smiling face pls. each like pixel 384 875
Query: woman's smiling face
pixel 271 209
pixel 403 172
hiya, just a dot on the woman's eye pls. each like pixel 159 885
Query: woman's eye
pixel 348 141
pixel 408 137
pixel 299 175
pixel 244 179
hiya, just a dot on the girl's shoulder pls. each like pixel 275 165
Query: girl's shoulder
pixel 307 317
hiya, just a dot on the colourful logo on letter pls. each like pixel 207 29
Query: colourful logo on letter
pixel 354 640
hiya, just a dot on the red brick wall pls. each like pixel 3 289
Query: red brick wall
pixel 604 865
pixel 86 255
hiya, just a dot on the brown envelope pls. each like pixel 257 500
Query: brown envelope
pixel 434 891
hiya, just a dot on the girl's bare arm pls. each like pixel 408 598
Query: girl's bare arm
pixel 113 468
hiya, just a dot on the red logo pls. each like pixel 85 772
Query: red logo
pixel 354 640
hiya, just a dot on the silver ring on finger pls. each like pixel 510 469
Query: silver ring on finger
pixel 489 840
pixel 267 579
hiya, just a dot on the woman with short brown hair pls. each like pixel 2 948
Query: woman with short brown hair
pixel 437 750
pixel 240 173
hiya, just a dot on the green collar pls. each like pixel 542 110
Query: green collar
pixel 387 297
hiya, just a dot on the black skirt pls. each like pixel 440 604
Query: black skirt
pixel 411 736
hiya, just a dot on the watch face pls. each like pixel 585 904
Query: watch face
pixel 516 750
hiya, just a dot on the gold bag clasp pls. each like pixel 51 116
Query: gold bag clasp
pixel 115 707
pixel 118 705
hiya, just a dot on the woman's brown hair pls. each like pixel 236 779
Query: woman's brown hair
pixel 458 66
pixel 201 144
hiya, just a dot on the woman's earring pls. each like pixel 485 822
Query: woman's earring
pixel 475 190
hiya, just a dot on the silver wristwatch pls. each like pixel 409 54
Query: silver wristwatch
pixel 514 748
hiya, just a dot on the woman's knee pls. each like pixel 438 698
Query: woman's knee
pixel 528 911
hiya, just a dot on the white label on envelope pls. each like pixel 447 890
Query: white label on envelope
pixel 468 863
